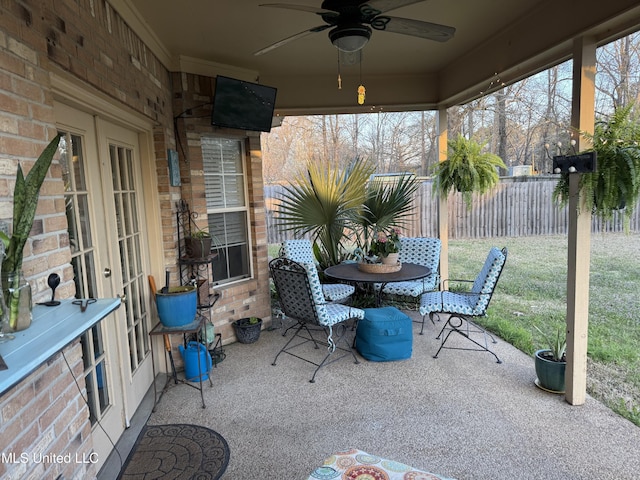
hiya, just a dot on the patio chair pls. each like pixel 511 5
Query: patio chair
pixel 464 306
pixel 300 251
pixel 421 251
pixel 301 299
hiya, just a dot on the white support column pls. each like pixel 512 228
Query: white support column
pixel 443 210
pixel 579 248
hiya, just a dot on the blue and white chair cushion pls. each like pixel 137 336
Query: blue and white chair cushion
pixel 462 306
pixel 302 299
pixel 300 251
pixel 421 251
pixel 473 303
pixel 328 313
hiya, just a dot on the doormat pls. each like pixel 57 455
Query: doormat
pixel 177 451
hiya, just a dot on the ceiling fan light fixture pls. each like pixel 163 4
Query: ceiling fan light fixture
pixel 350 38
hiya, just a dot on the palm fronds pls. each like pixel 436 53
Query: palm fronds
pixel 324 203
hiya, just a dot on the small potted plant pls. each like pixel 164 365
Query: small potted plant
pixel 16 302
pixel 248 329
pixel 386 246
pixel 198 244
pixel 551 362
pixel 467 169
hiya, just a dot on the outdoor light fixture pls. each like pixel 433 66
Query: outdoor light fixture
pixel 576 163
pixel 350 38
pixel 583 163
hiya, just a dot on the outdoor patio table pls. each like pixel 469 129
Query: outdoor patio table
pixel 349 272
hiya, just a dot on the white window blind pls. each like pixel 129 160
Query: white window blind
pixel 226 206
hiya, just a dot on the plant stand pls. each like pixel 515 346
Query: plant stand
pixel 194 328
pixel 196 271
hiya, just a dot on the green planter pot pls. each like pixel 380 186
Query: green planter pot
pixel 550 374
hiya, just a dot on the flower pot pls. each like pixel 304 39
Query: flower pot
pixel 247 332
pixel 390 259
pixel 177 307
pixel 17 297
pixel 198 247
pixel 550 374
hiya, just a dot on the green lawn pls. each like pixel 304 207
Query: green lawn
pixel 532 291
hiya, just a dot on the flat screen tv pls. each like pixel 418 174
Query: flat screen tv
pixel 242 105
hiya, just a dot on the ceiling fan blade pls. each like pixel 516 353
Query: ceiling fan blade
pixel 303 8
pixel 386 5
pixel 417 28
pixel 291 39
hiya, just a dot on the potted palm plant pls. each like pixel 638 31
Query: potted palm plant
pixel 330 204
pixel 551 362
pixel 16 298
pixel 467 169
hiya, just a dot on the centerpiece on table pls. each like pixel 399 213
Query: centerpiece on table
pixel 383 253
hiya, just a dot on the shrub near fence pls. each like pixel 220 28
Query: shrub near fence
pixel 517 207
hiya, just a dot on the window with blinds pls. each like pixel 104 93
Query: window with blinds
pixel 226 195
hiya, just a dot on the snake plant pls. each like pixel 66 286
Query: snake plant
pixel 25 202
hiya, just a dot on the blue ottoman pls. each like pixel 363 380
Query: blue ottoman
pixel 384 334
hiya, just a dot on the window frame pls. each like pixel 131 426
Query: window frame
pixel 245 207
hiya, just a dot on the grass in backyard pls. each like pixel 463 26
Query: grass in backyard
pixel 532 291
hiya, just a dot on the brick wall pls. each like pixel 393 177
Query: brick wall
pixel 44 423
pixel 194 94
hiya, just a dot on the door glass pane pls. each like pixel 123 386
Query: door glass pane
pixel 72 162
pixel 129 246
pixel 83 213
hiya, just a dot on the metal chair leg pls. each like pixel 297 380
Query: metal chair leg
pixel 466 333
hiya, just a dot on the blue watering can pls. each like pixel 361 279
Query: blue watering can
pixel 190 356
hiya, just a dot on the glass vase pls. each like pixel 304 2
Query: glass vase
pixel 17 297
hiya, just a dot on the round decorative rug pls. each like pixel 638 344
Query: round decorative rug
pixel 177 451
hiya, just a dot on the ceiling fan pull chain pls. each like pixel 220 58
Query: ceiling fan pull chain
pixel 339 77
pixel 361 94
pixel 361 90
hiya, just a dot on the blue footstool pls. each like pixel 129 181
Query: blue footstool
pixel 385 334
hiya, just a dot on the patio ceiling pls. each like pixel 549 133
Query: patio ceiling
pixel 495 41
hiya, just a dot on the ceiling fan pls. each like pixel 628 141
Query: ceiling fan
pixel 351 23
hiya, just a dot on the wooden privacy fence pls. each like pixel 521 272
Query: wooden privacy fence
pixel 517 207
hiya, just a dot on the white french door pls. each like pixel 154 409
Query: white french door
pixel 101 172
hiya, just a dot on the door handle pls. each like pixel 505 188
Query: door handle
pixel 106 272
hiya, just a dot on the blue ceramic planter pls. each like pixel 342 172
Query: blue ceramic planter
pixel 177 307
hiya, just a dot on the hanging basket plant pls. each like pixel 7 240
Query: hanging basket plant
pixel 615 185
pixel 467 169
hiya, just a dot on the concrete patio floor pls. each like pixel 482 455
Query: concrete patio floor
pixel 461 415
